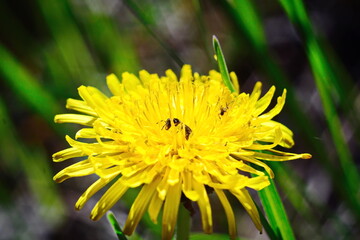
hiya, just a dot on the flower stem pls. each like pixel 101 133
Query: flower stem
pixel 183 224
pixel 115 225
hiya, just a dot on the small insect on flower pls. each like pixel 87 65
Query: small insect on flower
pixel 223 111
pixel 211 146
pixel 176 122
pixel 167 125
pixel 188 131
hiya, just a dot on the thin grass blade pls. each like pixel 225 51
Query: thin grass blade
pixel 270 232
pixel 275 212
pixel 115 225
pixel 326 83
pixel 222 64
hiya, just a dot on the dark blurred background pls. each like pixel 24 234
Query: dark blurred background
pixel 49 48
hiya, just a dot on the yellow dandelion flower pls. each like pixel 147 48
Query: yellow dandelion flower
pixel 174 137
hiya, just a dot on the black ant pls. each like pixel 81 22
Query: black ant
pixel 223 110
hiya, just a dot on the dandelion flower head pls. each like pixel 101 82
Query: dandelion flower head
pixel 175 139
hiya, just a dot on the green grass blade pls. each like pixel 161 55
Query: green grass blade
pixel 26 87
pixel 115 225
pixel 269 230
pixel 349 169
pixel 222 64
pixel 247 17
pixel 326 83
pixel 275 212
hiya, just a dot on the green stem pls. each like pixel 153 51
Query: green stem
pixel 115 225
pixel 183 224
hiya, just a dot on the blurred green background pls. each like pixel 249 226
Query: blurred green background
pixel 49 48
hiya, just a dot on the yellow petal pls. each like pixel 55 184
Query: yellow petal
pixel 155 207
pixel 171 208
pixel 259 163
pixel 163 186
pixel 80 106
pixel 244 167
pixel 111 196
pixel 204 206
pixel 75 118
pixel 171 75
pixel 254 96
pixel 86 133
pixel 97 101
pixel 264 102
pixel 173 177
pixel 258 182
pixel 139 206
pixel 277 140
pixel 186 73
pixel 287 135
pixel 139 178
pixel 244 197
pixel 79 169
pixel 94 188
pixel 273 112
pixel 67 154
pixel 235 81
pixel 187 187
pixel 228 211
pixel 286 157
pixel 130 81
pixel 114 85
